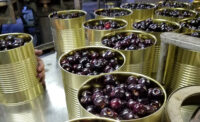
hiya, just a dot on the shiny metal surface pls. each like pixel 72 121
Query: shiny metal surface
pixel 182 68
pixel 126 17
pixel 72 81
pixel 94 82
pixel 68 34
pixel 18 73
pixel 49 107
pixel 174 19
pixel 94 36
pixel 141 60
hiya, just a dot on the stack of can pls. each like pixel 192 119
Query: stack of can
pixel 18 79
pixel 68 34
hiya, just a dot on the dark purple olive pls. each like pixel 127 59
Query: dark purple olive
pixel 115 103
pixel 107 112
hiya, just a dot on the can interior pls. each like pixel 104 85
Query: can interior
pixel 98 49
pixel 96 82
pixel 96 21
pixel 141 34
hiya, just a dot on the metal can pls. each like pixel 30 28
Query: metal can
pixel 174 19
pixel 94 36
pixel 18 69
pixel 93 82
pixel 140 60
pixel 184 69
pixel 173 4
pixel 141 14
pixel 68 34
pixel 93 119
pixel 186 29
pixel 72 82
pixel 157 46
pixel 126 17
pixel 195 4
pixel 182 104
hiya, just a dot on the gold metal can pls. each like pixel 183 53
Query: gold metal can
pixel 195 4
pixel 141 14
pixel 94 36
pixel 18 69
pixel 93 119
pixel 183 66
pixel 157 46
pixel 126 17
pixel 186 29
pixel 72 82
pixel 93 82
pixel 68 34
pixel 175 4
pixel 141 60
pixel 174 19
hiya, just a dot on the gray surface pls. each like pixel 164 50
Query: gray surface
pixel 50 107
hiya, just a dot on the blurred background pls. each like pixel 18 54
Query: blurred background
pixel 31 16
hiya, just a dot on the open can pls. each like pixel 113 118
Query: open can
pixel 157 46
pixel 187 29
pixel 173 4
pixel 68 34
pixel 94 35
pixel 140 60
pixel 125 17
pixel 174 19
pixel 141 14
pixel 18 69
pixel 97 83
pixel 183 68
pixel 72 81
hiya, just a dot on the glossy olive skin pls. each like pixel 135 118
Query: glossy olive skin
pixel 11 42
pixel 91 62
pixel 126 98
pixel 124 41
pixel 149 25
pixel 66 15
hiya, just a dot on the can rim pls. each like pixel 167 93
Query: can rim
pixel 29 35
pixel 91 47
pixel 67 11
pixel 129 73
pixel 131 31
pixel 154 5
pixel 93 118
pixel 116 8
pixel 179 9
pixel 91 20
pixel 160 20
